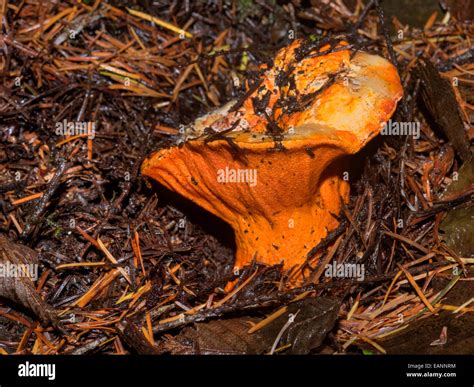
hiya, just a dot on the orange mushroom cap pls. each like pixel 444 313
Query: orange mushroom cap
pixel 269 166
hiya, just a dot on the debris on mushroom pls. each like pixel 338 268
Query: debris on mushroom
pixel 271 165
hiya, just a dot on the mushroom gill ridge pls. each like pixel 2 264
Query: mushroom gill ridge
pixel 271 165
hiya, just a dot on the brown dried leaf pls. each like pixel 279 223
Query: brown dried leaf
pixel 226 337
pixel 313 319
pixel 439 98
pixel 18 264
pixel 458 225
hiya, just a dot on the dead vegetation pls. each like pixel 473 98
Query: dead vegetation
pixel 128 267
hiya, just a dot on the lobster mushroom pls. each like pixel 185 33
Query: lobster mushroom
pixel 270 165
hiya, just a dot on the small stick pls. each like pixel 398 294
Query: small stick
pixel 291 320
pixel 267 320
pixel 417 288
pixel 160 22
pixel 43 201
pixel 27 198
pixel 407 240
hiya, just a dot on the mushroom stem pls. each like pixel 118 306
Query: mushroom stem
pixel 289 236
pixel 280 204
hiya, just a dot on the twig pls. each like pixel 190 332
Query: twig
pixel 38 211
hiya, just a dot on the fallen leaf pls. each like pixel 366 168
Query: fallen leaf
pixel 226 337
pixel 18 267
pixel 458 225
pixel 313 317
pixel 304 325
pixel 439 98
